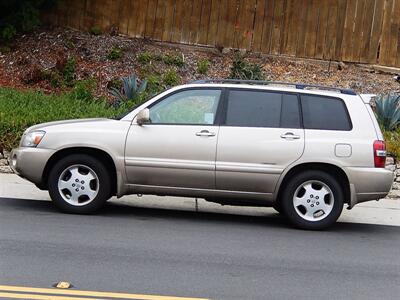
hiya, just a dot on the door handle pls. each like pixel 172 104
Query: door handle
pixel 290 136
pixel 205 133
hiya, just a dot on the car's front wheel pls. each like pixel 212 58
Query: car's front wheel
pixel 79 184
pixel 313 200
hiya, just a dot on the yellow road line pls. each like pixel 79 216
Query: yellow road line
pixel 10 288
pixel 39 297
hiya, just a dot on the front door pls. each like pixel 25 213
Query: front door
pixel 260 137
pixel 178 147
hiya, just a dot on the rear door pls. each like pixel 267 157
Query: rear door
pixel 259 137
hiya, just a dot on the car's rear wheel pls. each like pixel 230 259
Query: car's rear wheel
pixel 313 200
pixel 79 184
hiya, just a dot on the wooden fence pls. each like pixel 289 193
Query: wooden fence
pixel 366 31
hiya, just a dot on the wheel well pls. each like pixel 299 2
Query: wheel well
pixel 333 170
pixel 101 155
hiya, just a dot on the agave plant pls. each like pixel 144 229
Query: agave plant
pixel 130 90
pixel 387 111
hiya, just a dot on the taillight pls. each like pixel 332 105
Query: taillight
pixel 379 154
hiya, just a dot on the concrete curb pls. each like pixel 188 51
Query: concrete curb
pixel 383 212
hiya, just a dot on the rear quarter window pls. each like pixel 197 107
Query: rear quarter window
pixel 325 113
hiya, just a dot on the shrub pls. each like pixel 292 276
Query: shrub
pixel 145 58
pixel 7 33
pixel 392 139
pixel 69 72
pixel 242 69
pixel 154 84
pixel 21 15
pixel 171 78
pixel 95 30
pixel 83 90
pixel 131 92
pixel 175 60
pixel 21 109
pixel 202 66
pixel 387 111
pixel 115 53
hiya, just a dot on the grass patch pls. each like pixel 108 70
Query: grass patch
pixel 21 109
pixel 202 66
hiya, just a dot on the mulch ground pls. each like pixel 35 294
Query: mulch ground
pixel 44 49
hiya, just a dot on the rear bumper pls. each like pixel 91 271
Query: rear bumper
pixel 368 183
pixel 29 163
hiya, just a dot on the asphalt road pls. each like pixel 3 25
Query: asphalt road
pixel 167 252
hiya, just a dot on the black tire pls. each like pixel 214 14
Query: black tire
pixel 104 184
pixel 289 207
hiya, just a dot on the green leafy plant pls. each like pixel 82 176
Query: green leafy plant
pixel 115 53
pixel 145 58
pixel 131 91
pixel 69 71
pixel 83 90
pixel 203 66
pixel 175 60
pixel 242 69
pixel 154 84
pixel 7 33
pixel 171 78
pixel 387 111
pixel 95 30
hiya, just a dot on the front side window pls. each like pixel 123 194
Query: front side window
pixel 262 109
pixel 324 113
pixel 187 107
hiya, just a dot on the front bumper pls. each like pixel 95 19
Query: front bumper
pixel 29 163
pixel 368 183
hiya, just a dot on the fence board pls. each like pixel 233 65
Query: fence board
pixel 350 30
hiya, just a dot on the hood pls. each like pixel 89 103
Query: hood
pixel 64 122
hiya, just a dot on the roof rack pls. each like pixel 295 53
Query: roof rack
pixel 300 86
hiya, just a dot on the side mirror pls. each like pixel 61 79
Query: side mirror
pixel 143 116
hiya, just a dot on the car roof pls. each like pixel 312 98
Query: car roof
pixel 273 85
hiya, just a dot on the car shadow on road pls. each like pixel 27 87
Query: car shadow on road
pixel 118 210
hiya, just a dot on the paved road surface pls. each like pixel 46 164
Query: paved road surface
pixel 217 256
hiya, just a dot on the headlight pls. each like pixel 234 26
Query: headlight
pixel 32 139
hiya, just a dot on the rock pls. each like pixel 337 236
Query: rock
pixel 341 66
pixel 389 160
pixel 5 169
pixel 396 186
pixel 391 167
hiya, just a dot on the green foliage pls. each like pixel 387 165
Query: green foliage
pixel 145 58
pixel 387 111
pixel 20 16
pixel 7 33
pixel 173 60
pixel 69 72
pixel 392 139
pixel 242 69
pixel 95 30
pixel 115 53
pixel 154 84
pixel 168 59
pixel 21 109
pixel 54 78
pixel 83 90
pixel 203 66
pixel 171 78
pixel 131 91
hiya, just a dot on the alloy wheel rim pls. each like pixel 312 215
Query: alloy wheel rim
pixel 313 200
pixel 78 185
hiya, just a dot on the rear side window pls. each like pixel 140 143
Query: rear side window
pixel 262 109
pixel 324 113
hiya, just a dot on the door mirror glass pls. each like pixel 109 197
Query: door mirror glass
pixel 143 116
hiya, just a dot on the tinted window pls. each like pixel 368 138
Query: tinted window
pixel 324 113
pixel 262 109
pixel 187 107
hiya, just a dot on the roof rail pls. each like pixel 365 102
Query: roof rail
pixel 300 86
